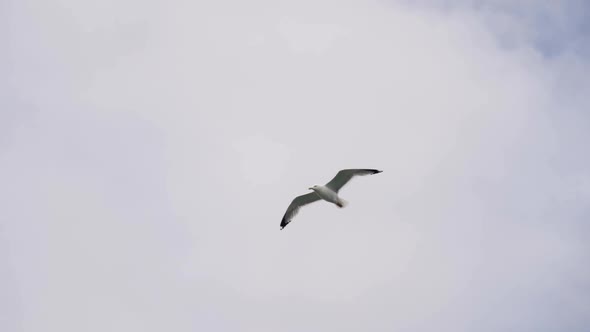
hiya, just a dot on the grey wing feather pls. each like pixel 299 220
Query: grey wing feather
pixel 298 202
pixel 345 175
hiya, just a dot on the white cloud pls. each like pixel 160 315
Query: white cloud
pixel 150 154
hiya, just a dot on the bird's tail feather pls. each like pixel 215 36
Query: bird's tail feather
pixel 341 203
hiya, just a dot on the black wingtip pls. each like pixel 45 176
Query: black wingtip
pixel 284 223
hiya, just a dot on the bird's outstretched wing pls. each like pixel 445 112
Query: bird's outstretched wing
pixel 345 175
pixel 298 202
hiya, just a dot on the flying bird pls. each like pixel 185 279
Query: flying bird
pixel 328 193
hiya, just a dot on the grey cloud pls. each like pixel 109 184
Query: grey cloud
pixel 552 27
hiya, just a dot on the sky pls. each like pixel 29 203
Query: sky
pixel 149 150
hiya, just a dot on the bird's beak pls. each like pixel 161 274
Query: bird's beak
pixel 310 188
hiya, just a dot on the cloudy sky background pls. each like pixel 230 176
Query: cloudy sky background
pixel 148 151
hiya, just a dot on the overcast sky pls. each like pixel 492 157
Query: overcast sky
pixel 148 151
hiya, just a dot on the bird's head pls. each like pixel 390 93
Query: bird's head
pixel 313 188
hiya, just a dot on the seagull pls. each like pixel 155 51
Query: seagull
pixel 328 193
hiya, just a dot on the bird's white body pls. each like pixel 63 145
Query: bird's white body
pixel 328 195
